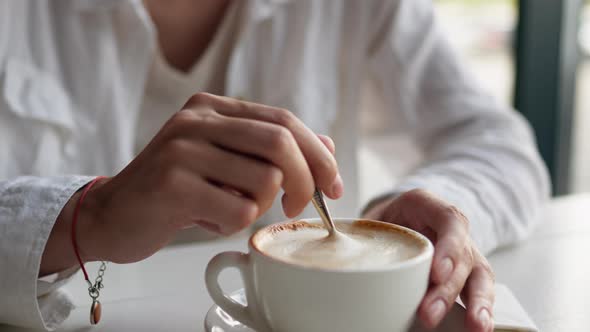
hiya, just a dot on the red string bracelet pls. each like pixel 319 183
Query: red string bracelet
pixel 93 289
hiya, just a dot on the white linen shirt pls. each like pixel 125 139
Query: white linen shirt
pixel 72 77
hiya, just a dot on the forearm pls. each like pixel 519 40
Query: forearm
pixel 480 155
pixel 489 168
pixel 500 184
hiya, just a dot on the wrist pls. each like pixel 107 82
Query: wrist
pixel 375 208
pixel 91 245
pixel 59 254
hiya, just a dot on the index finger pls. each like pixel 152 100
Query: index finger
pixel 321 162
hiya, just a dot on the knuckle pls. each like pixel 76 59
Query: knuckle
pixel 459 215
pixel 451 212
pixel 483 298
pixel 246 214
pixel 487 269
pixel 178 121
pixel 414 196
pixel 182 116
pixel 449 291
pixel 455 245
pixel 205 115
pixel 284 117
pixel 467 256
pixel 448 212
pixel 199 98
pixel 281 139
pixel 328 168
pixel 190 120
pixel 271 179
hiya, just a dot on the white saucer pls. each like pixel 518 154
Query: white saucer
pixel 218 320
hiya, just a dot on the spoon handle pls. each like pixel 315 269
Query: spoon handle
pixel 322 208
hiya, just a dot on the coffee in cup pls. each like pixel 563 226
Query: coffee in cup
pixel 296 278
pixel 364 246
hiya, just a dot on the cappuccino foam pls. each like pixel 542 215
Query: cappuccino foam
pixel 361 248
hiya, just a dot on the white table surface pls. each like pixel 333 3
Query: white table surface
pixel 549 274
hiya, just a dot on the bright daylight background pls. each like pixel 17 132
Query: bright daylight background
pixel 483 33
pixel 483 30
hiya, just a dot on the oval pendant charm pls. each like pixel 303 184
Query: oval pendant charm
pixel 95 312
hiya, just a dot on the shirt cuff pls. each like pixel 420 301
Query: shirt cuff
pixel 29 207
pixel 54 308
pixel 52 282
pixel 55 304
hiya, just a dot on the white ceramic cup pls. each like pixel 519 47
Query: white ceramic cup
pixel 284 297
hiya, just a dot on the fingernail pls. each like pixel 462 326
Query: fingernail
pixel 337 187
pixel 445 269
pixel 287 208
pixel 437 310
pixel 484 317
pixel 284 204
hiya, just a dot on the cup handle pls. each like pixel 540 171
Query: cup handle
pixel 246 314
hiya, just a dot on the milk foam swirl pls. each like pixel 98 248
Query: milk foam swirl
pixel 361 247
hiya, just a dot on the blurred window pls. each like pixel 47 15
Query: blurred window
pixel 482 31
pixel 580 163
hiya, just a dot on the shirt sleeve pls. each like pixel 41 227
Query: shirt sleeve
pixel 480 155
pixel 29 207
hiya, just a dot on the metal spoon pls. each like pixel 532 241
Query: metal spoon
pixel 322 208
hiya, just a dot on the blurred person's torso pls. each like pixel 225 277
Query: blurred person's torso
pixel 84 86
